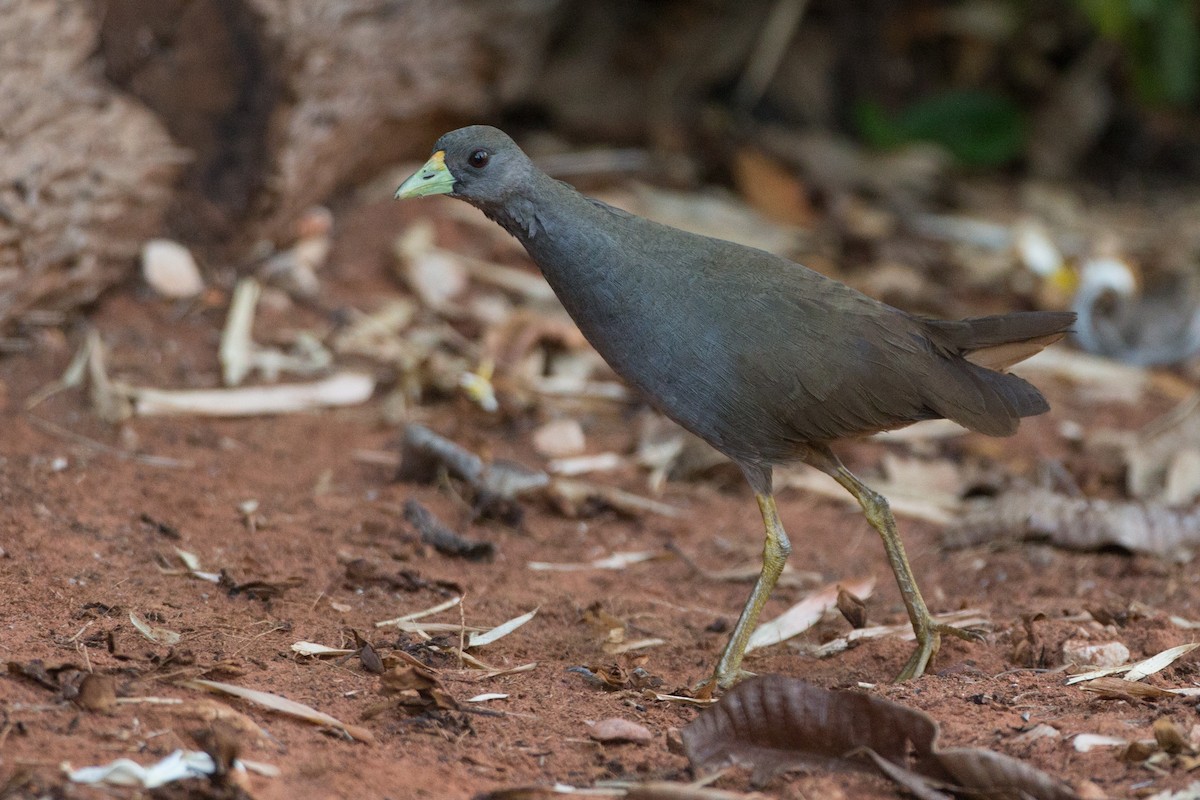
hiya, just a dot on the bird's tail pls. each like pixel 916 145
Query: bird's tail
pixel 974 390
pixel 1000 341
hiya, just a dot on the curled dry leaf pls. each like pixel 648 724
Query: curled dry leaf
pixel 852 608
pixel 652 790
pixel 408 677
pixel 295 269
pixel 237 344
pixel 773 724
pixel 662 790
pixel 1079 523
pixel 415 615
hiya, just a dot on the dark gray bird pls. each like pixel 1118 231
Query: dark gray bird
pixel 765 359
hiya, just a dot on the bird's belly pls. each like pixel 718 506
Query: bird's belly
pixel 687 370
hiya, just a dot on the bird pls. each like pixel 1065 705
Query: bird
pixel 768 361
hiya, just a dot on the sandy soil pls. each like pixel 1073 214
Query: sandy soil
pixel 86 531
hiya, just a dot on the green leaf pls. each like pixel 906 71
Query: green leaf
pixel 1111 18
pixel 978 128
pixel 876 127
pixel 1178 52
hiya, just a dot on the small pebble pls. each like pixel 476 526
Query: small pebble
pixel 559 438
pixel 616 731
pixel 170 270
pixel 1088 654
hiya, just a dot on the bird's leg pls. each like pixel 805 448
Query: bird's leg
pixel 876 509
pixel 775 554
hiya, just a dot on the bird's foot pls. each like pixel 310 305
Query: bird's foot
pixel 966 634
pixel 929 640
pixel 709 686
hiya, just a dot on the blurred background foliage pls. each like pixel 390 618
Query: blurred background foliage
pixel 1160 45
pixel 1096 88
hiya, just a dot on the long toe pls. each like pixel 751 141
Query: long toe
pixel 966 634
pixel 725 680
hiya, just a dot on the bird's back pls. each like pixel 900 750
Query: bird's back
pixel 757 354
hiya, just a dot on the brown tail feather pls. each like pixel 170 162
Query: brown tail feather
pixel 1000 357
pixel 979 395
pixel 998 342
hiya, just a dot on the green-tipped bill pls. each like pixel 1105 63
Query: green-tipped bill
pixel 433 178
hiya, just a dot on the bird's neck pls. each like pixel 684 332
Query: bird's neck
pixel 524 215
pixel 519 217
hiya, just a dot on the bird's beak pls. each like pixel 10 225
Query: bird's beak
pixel 433 178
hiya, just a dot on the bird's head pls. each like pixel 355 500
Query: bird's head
pixel 479 164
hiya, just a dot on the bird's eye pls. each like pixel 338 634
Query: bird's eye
pixel 479 159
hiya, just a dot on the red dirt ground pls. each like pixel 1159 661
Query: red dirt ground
pixel 82 545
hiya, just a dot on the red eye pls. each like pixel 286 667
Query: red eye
pixel 479 159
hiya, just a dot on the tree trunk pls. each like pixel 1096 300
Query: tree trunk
pixel 219 121
pixel 85 173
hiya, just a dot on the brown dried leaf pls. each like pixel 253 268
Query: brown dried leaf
pixel 370 659
pixel 1079 523
pixel 283 705
pixel 852 608
pixel 773 724
pixel 607 676
pixel 1122 689
pixel 608 628
pixel 771 188
pixel 408 677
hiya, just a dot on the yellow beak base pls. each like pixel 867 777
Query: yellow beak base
pixel 433 178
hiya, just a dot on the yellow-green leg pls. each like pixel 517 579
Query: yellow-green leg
pixel 876 509
pixel 775 554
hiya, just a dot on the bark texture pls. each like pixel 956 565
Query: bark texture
pixel 219 121
pixel 85 173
